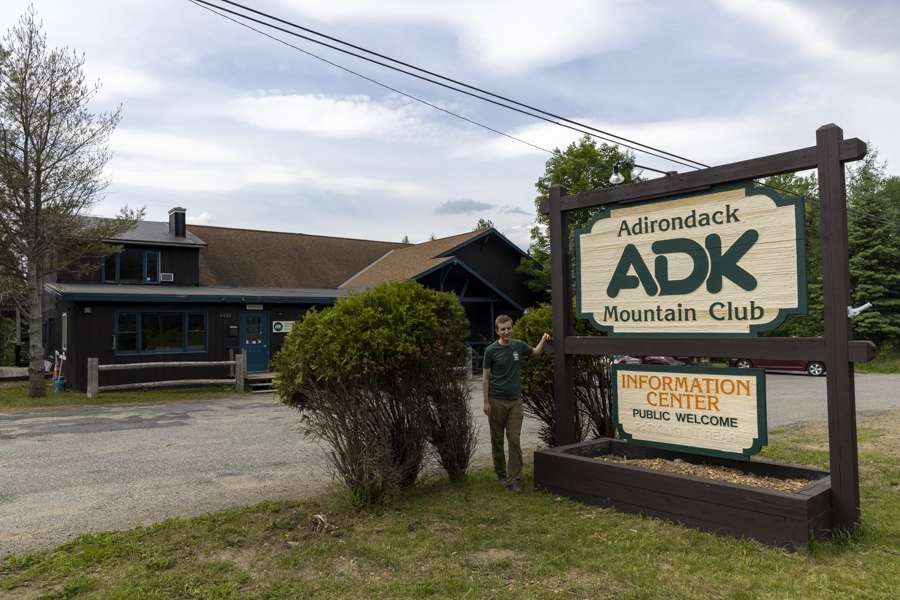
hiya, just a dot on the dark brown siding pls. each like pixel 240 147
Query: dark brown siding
pixel 496 262
pixel 184 263
pixel 283 312
pixel 91 335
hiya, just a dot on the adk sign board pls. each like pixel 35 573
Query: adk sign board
pixel 729 261
pixel 719 412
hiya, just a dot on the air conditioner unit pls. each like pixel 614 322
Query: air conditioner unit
pixel 167 277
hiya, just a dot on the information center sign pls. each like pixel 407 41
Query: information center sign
pixel 718 412
pixel 729 261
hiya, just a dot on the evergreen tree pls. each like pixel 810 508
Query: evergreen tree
pixel 874 245
pixel 483 224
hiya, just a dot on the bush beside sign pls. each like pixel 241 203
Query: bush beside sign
pixel 717 412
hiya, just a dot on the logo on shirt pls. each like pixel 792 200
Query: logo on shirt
pixel 515 356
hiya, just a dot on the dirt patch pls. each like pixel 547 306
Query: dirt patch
pixel 245 558
pixel 21 594
pixel 715 473
pixel 490 557
pixel 884 435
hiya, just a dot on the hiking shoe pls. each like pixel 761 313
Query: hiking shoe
pixel 515 486
pixel 502 482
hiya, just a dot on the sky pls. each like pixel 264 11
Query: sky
pixel 245 132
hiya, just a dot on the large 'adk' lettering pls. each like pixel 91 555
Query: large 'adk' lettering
pixel 726 265
pixel 671 287
pixel 621 280
pixel 708 263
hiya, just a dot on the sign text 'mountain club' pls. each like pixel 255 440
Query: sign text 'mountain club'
pixel 728 261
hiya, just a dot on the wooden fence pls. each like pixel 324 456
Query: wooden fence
pixel 94 369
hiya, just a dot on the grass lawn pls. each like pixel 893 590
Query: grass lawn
pixel 885 362
pixel 15 396
pixel 478 541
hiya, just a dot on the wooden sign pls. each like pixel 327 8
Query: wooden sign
pixel 728 261
pixel 718 412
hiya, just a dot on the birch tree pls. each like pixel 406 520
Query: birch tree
pixel 53 150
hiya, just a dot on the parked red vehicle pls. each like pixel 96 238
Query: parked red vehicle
pixel 662 360
pixel 648 360
pixel 814 367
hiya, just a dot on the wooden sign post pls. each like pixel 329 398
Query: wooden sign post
pixel 628 264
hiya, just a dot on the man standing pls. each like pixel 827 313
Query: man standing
pixel 501 382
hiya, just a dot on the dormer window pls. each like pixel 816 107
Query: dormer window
pixel 132 265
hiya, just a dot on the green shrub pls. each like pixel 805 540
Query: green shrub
pixel 377 377
pixel 592 383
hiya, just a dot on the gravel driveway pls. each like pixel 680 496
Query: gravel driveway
pixel 71 471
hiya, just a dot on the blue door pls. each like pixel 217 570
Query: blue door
pixel 255 340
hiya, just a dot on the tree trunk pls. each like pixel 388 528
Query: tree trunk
pixel 36 386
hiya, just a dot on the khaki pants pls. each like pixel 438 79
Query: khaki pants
pixel 506 416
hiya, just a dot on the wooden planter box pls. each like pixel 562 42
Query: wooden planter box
pixel 777 518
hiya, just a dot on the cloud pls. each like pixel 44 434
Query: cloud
pixel 505 36
pixel 143 143
pixel 329 116
pixel 811 36
pixel 357 184
pixel 520 235
pixel 462 206
pixel 713 140
pixel 515 210
pixel 119 82
pixel 177 163
pixel 178 176
pixel 204 218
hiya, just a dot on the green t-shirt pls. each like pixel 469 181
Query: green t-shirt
pixel 505 363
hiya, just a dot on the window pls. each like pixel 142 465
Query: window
pixel 196 332
pixel 64 332
pixel 160 332
pixel 132 266
pixel 126 332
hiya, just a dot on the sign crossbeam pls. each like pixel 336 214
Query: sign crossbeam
pixel 809 348
pixel 775 164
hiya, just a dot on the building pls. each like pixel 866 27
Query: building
pixel 179 292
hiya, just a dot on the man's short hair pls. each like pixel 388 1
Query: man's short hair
pixel 502 319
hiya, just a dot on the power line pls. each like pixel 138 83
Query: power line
pixel 376 82
pixel 220 9
pixel 201 3
pixel 455 81
pixel 665 155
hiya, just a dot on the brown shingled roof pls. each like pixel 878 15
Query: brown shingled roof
pixel 246 257
pixel 409 261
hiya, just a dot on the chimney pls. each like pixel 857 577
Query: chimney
pixel 176 222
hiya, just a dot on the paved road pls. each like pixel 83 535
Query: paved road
pixel 70 471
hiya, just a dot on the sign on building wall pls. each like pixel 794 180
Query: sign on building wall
pixel 282 326
pixel 728 261
pixel 719 412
